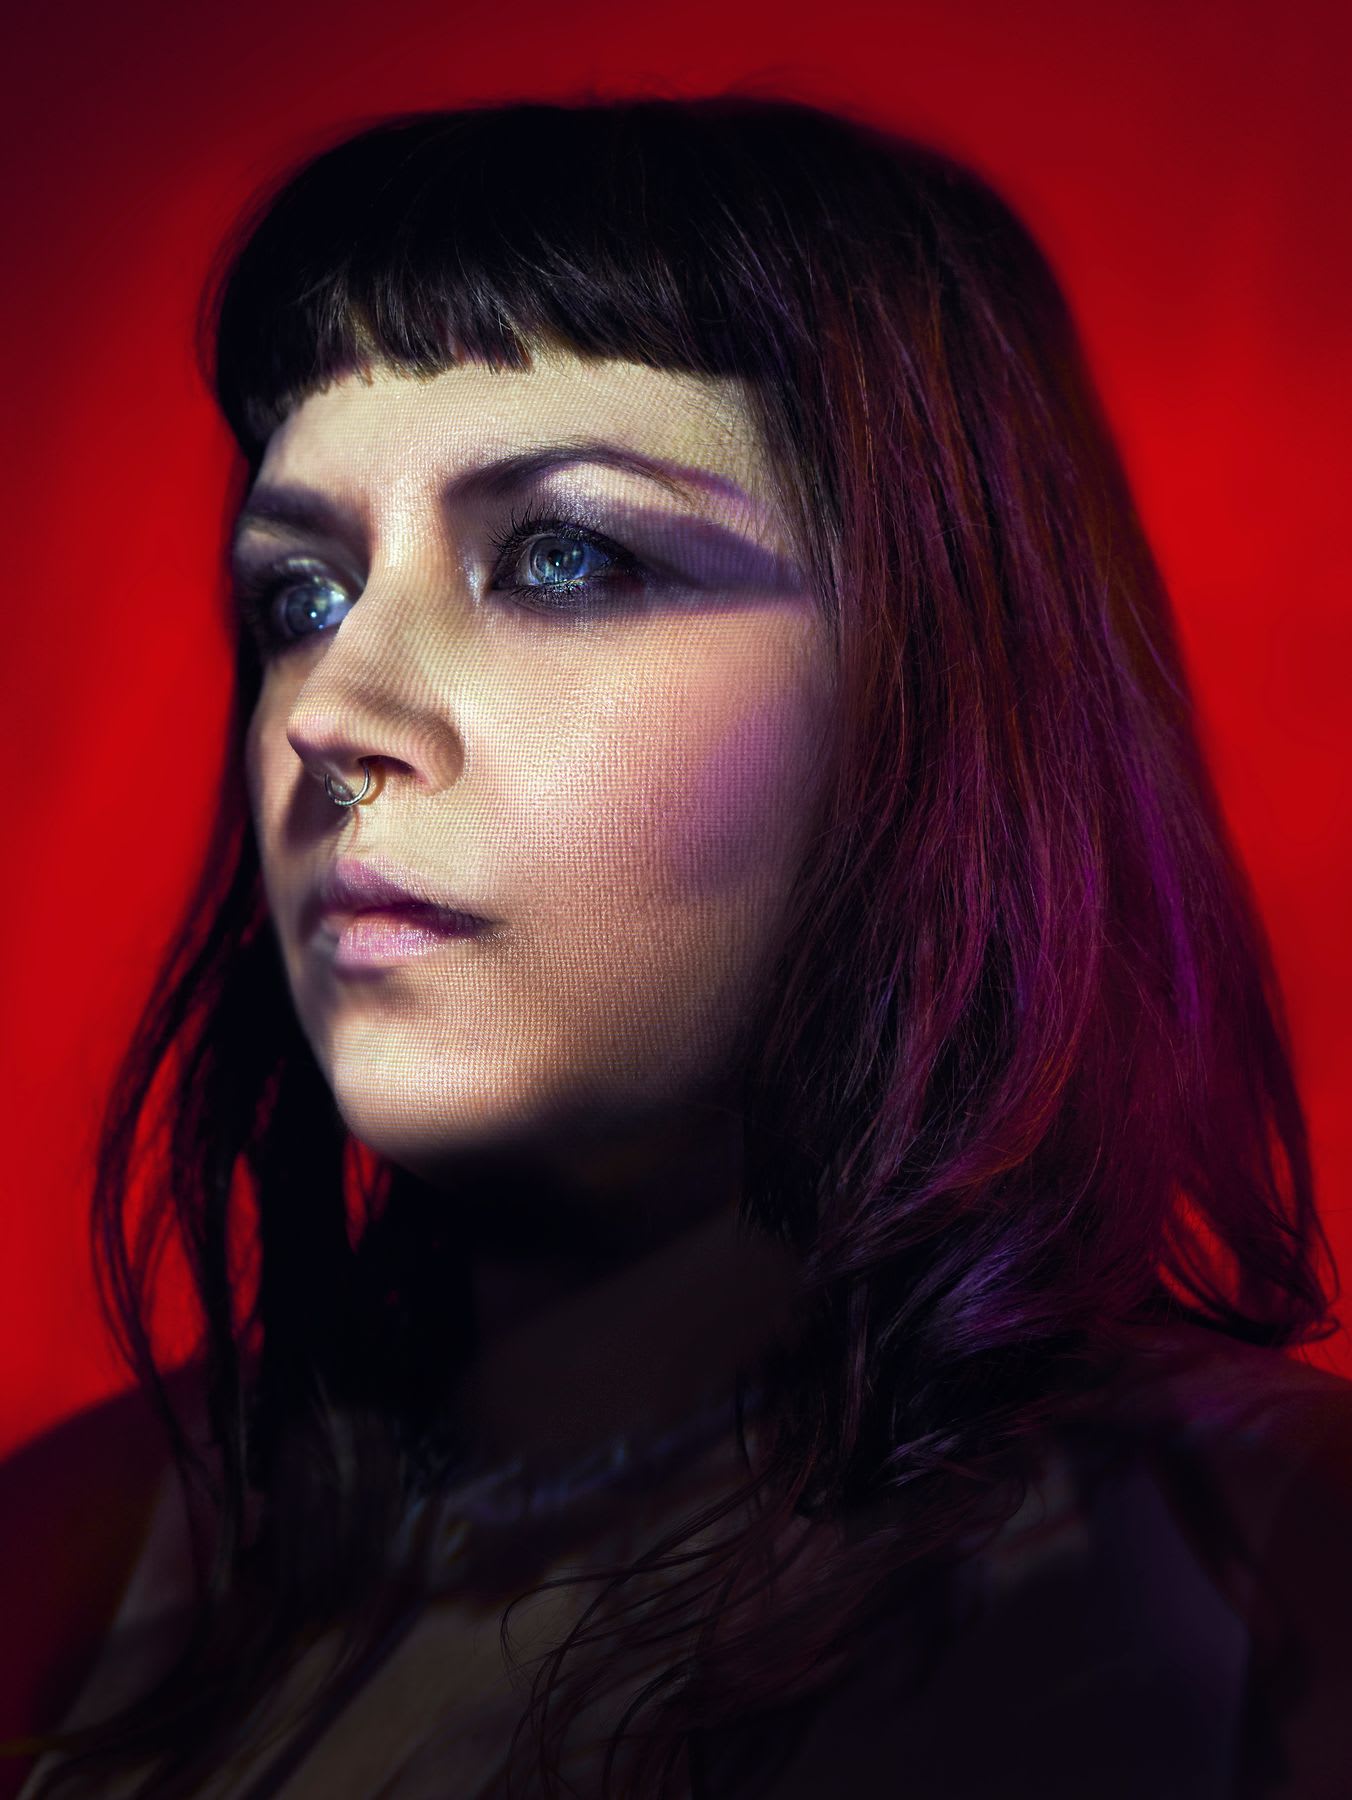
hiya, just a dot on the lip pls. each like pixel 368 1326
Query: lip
pixel 365 914
pixel 378 939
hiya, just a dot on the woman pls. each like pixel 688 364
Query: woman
pixel 723 1081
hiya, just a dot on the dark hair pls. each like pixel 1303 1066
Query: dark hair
pixel 1021 1082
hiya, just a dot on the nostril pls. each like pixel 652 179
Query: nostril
pixel 342 793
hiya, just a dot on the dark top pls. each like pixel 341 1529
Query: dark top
pixel 1169 1617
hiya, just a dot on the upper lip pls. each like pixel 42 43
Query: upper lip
pixel 351 885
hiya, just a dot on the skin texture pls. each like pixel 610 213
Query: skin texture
pixel 621 782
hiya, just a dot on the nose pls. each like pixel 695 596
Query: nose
pixel 369 710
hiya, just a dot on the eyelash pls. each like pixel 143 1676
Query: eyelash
pixel 519 533
pixel 257 592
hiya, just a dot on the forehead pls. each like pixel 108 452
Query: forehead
pixel 386 433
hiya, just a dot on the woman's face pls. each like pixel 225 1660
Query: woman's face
pixel 556 612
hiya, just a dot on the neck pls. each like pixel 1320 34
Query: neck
pixel 614 1288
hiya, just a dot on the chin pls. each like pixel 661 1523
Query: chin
pixel 422 1120
pixel 420 1129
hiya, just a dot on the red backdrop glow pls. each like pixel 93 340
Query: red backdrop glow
pixel 1184 166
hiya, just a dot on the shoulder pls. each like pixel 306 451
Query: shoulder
pixel 1298 1702
pixel 1256 1460
pixel 1269 1434
pixel 76 1508
pixel 1181 1629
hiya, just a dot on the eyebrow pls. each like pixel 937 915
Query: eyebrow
pixel 302 510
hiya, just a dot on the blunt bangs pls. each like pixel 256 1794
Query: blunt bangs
pixel 426 241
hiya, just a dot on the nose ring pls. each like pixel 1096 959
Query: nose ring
pixel 352 799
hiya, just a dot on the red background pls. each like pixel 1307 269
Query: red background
pixel 1185 165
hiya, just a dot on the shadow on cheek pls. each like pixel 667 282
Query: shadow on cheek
pixel 744 810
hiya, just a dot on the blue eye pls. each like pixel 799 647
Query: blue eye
pixel 558 565
pixel 555 560
pixel 303 607
pixel 289 604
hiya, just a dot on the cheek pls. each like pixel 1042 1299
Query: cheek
pixel 269 763
pixel 255 763
pixel 270 779
pixel 688 790
pixel 675 781
pixel 731 820
pixel 266 807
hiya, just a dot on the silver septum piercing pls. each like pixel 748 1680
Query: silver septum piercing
pixel 352 799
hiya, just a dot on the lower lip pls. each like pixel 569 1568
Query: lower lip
pixel 378 940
